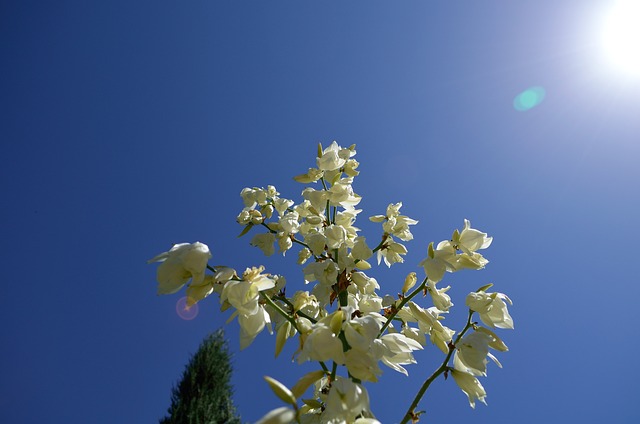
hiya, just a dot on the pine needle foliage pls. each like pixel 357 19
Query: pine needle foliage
pixel 204 394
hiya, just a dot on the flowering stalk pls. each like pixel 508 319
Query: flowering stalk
pixel 411 414
pixel 279 310
pixel 403 302
pixel 342 319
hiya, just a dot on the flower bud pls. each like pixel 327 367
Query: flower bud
pixel 336 321
pixel 409 282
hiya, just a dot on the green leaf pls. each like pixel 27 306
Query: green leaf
pixel 484 288
pixel 245 230
pixel 281 391
pixel 305 381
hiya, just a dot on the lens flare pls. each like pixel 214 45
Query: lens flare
pixel 185 312
pixel 529 99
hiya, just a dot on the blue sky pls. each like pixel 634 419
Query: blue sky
pixel 129 126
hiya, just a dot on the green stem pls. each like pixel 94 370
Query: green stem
pixel 404 301
pixel 295 240
pixel 280 311
pixel 442 368
pixel 300 313
pixel 267 227
pixel 379 246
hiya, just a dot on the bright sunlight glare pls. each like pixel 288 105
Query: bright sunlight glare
pixel 621 36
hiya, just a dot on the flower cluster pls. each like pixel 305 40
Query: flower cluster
pixel 340 321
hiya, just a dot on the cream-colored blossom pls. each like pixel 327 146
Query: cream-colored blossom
pixel 321 344
pixel 362 365
pixel 429 323
pixel 364 283
pixel 312 175
pixel 469 239
pixel 441 299
pixel 289 223
pixel 410 280
pixel 183 262
pixel 303 255
pixel 472 352
pixel 346 401
pixel 335 235
pixel 317 198
pixel 325 272
pixel 265 242
pixel 470 386
pixel 492 308
pixel 341 194
pixel 396 224
pixel 252 325
pixel 397 351
pixel 282 415
pixel 439 260
pixel 360 249
pixel 391 252
pixel 334 157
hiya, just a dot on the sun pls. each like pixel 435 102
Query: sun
pixel 621 36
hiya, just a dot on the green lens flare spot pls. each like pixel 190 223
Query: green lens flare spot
pixel 529 99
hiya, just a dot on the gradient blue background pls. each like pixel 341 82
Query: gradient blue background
pixel 127 126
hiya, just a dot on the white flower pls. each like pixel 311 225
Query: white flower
pixel 284 242
pixel 244 294
pixel 341 193
pixel 317 198
pixel 335 235
pixel 196 293
pixel 391 252
pixel 441 299
pixel 470 386
pixel 350 167
pixel 430 324
pixel 282 415
pixel 183 262
pixel 312 175
pixel 333 157
pixel 321 344
pixel 362 365
pixel 252 325
pixel 265 242
pixel 316 242
pixel 470 240
pixel 492 308
pixel 361 332
pixel 260 196
pixel 410 281
pixel 364 284
pixel 368 303
pixel 346 401
pixel 473 260
pixel 439 260
pixel 281 205
pixel 289 223
pixel 303 255
pixel 325 272
pixel 396 224
pixel 249 216
pixel 397 351
pixel 472 352
pixel 360 249
pixel 304 302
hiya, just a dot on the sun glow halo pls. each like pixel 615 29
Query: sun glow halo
pixel 621 36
